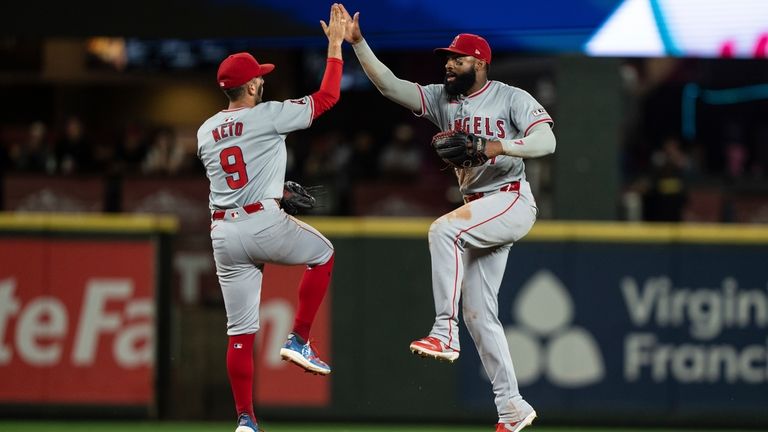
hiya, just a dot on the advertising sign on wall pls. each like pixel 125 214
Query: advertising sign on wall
pixel 679 330
pixel 77 321
pixel 279 383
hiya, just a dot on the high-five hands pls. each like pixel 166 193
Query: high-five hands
pixel 352 32
pixel 336 27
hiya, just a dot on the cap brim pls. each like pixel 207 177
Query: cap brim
pixel 450 51
pixel 265 69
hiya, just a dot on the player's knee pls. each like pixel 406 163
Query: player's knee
pixel 470 317
pixel 440 229
pixel 328 260
pixel 243 328
pixel 330 252
pixel 242 317
pixel 325 259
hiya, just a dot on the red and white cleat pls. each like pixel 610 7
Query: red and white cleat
pixel 434 348
pixel 517 426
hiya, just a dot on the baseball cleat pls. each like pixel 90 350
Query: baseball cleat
pixel 517 426
pixel 302 355
pixel 245 424
pixel 432 347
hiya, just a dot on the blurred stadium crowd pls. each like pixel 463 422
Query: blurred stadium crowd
pixel 718 172
pixel 707 165
pixel 335 159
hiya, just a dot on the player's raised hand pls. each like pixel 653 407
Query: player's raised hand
pixel 335 28
pixel 352 33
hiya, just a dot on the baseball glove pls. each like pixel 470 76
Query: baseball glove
pixel 460 149
pixel 296 198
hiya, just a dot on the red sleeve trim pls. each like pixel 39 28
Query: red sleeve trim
pixel 537 122
pixel 311 110
pixel 423 103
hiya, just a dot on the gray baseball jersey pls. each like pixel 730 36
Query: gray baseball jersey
pixel 496 111
pixel 470 245
pixel 243 150
pixel 244 154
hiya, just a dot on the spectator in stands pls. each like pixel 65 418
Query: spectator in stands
pixel 324 166
pixel 73 151
pixel 666 194
pixel 323 161
pixel 131 150
pixel 736 152
pixel 760 159
pixel 161 154
pixel 184 158
pixel 32 155
pixel 401 158
pixel 5 159
pixel 103 155
pixel 363 162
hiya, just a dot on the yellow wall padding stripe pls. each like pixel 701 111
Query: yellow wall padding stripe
pixel 614 232
pixel 88 222
pixel 383 227
pixel 370 226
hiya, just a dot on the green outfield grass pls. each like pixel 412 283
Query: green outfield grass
pixel 130 426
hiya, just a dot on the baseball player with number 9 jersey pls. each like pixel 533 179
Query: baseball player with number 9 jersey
pixel 243 151
pixel 498 125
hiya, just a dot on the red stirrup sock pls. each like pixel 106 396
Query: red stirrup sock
pixel 312 289
pixel 240 371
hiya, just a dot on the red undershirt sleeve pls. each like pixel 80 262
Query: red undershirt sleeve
pixel 330 87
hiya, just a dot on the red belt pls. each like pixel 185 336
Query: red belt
pixel 511 187
pixel 249 208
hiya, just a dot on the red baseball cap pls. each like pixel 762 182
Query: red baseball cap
pixel 240 68
pixel 470 45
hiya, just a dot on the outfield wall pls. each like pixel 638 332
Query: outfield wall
pixel 608 323
pixel 80 332
pixel 656 324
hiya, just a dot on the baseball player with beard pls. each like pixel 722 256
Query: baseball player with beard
pixel 243 151
pixel 469 246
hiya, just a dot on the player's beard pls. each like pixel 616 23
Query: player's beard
pixel 460 84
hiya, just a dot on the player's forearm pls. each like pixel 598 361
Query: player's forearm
pixel 330 87
pixel 334 50
pixel 398 90
pixel 540 142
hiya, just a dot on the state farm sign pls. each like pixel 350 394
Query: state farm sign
pixel 76 321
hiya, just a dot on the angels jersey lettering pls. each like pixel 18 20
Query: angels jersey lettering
pixel 496 111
